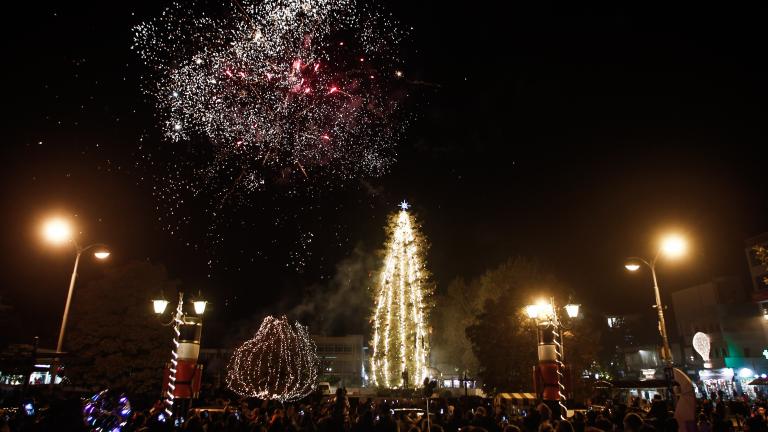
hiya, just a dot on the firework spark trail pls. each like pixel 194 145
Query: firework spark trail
pixel 303 94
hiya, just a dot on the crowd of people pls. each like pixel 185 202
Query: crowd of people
pixel 343 414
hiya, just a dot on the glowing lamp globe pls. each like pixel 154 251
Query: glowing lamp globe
pixel 673 246
pixel 57 231
pixel 101 254
pixel 199 306
pixel 572 310
pixel 532 311
pixel 632 266
pixel 746 373
pixel 702 343
pixel 159 305
pixel 545 309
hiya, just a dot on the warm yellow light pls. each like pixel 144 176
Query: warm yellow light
pixel 673 246
pixel 545 309
pixel 632 266
pixel 199 306
pixel 159 305
pixel 400 324
pixel 532 311
pixel 572 310
pixel 57 231
pixel 101 254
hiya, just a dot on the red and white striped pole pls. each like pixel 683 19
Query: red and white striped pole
pixel 549 373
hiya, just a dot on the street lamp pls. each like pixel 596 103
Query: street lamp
pixel 59 231
pixel 186 347
pixel 159 305
pixel 551 352
pixel 199 306
pixel 672 246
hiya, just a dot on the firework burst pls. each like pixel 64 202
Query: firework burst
pixel 279 90
pixel 284 97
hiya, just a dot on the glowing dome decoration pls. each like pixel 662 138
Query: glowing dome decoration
pixel 279 362
pixel 701 344
pixel 400 338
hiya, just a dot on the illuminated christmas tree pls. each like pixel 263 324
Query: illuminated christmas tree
pixel 400 329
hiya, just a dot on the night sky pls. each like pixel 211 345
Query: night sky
pixel 572 136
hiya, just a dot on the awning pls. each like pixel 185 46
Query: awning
pixel 518 396
pixel 759 381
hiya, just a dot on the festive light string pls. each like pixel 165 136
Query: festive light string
pixel 400 297
pixel 280 362
pixel 169 393
pixel 559 361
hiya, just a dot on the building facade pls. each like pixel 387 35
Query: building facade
pixel 342 360
pixel 634 346
pixel 733 322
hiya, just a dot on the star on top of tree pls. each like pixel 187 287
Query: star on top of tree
pixel 404 205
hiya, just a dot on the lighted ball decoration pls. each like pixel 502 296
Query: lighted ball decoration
pixel 279 362
pixel 701 344
pixel 106 411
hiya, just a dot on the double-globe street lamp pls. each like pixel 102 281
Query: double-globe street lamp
pixel 187 331
pixel 59 231
pixel 551 352
pixel 672 246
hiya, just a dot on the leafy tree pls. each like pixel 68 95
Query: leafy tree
pixel 503 338
pixel 762 255
pixel 453 313
pixel 463 302
pixel 115 340
pixel 505 346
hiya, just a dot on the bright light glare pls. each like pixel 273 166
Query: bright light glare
pixel 746 373
pixel 57 231
pixel 545 308
pixel 572 310
pixel 532 311
pixel 200 306
pixel 673 246
pixel 632 266
pixel 101 254
pixel 159 305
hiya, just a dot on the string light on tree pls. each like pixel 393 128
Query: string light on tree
pixel 400 337
pixel 279 362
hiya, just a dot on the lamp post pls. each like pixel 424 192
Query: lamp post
pixel 551 352
pixel 58 231
pixel 671 246
pixel 187 331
